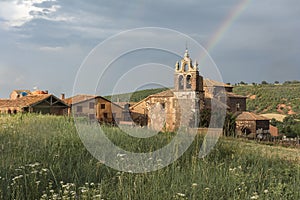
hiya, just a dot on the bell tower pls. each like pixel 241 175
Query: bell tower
pixel 187 76
pixel 188 89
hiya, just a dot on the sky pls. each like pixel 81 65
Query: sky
pixel 44 42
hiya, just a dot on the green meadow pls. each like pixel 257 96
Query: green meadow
pixel 42 157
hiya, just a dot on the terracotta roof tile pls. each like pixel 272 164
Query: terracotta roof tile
pixel 231 94
pixel 249 116
pixel 79 98
pixel 211 83
pixel 24 101
pixel 166 93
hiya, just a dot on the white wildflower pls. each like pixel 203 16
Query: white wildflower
pixel 181 194
pixel 255 196
pixel 121 155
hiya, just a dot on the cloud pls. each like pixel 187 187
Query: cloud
pixel 19 12
pixel 51 49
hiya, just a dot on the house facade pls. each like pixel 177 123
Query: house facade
pixel 94 108
pixel 214 89
pixel 251 125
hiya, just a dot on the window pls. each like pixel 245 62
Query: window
pixel 163 105
pixel 180 82
pixel 188 82
pixel 79 109
pixel 102 106
pixel 174 103
pixel 105 115
pixel 91 105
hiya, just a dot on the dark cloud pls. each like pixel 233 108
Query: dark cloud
pixel 262 43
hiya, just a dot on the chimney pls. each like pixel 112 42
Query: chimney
pixel 62 96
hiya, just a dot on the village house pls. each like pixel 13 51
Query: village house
pixel 214 89
pixel 251 125
pixel 33 102
pixel 94 107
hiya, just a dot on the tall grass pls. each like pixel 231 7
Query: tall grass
pixel 42 157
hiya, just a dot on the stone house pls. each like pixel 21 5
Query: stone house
pixel 94 107
pixel 251 125
pixel 33 102
pixel 214 89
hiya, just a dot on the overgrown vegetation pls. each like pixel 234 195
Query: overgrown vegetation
pixel 289 127
pixel 42 157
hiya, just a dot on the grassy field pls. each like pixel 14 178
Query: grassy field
pixel 42 157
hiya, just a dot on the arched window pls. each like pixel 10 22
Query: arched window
pixel 180 82
pixel 188 82
pixel 15 111
pixel 9 111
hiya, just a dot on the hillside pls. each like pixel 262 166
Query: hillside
pixel 269 98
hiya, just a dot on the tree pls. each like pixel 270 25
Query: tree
pixel 229 125
pixel 264 82
pixel 276 82
pixel 205 118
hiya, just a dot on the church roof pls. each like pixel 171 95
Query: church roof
pixel 213 83
pixel 166 93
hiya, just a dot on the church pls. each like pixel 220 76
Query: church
pixel 182 105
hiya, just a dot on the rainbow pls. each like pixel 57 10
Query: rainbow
pixel 220 32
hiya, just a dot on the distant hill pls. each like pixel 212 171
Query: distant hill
pixel 271 98
pixel 135 96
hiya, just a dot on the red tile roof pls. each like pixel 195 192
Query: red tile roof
pixel 25 101
pixel 166 93
pixel 79 98
pixel 249 116
pixel 213 83
pixel 233 95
